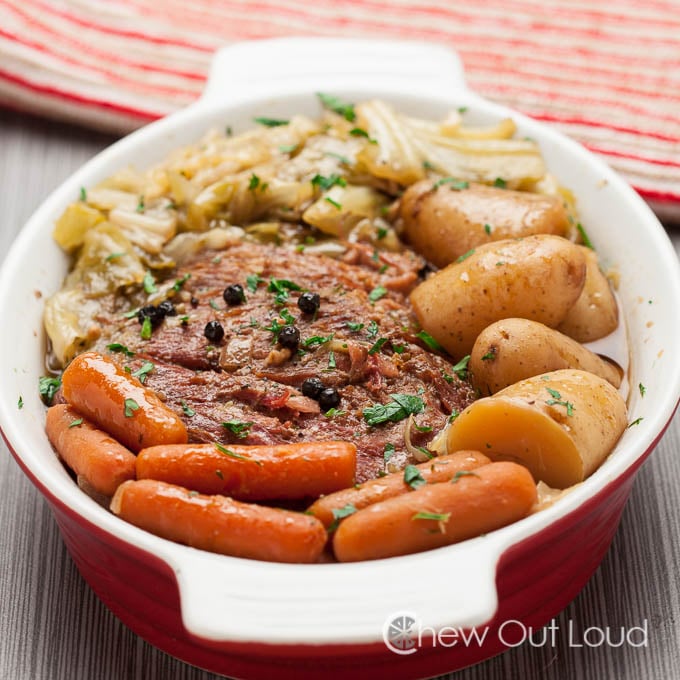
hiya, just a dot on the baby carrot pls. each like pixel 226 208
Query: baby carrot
pixel 438 514
pixel 257 472
pixel 220 524
pixel 101 390
pixel 88 451
pixel 439 469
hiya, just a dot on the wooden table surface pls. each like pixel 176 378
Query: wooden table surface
pixel 52 627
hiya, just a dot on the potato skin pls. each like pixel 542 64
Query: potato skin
pixel 511 350
pixel 561 425
pixel 595 314
pixel 442 224
pixel 539 277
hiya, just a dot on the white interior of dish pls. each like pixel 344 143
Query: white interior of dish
pixel 232 599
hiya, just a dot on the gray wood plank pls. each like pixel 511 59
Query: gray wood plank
pixel 52 627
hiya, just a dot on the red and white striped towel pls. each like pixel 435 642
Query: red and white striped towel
pixel 607 74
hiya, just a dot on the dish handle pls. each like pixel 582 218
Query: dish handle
pixel 281 66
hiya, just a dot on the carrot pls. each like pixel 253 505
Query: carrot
pixel 118 403
pixel 258 472
pixel 437 514
pixel 89 451
pixel 219 524
pixel 440 469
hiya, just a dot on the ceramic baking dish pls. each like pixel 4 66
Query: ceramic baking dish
pixel 259 620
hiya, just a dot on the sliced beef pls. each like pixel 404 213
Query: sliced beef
pixel 361 341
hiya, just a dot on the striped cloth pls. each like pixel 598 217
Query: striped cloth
pixel 607 74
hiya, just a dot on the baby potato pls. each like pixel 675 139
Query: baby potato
pixel 538 277
pixel 514 349
pixel 560 425
pixel 445 222
pixel 595 313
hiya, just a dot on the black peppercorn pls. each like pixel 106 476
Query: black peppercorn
pixel 166 308
pixel 311 388
pixel 234 295
pixel 328 398
pixel 309 302
pixel 213 331
pixel 289 336
pixel 152 313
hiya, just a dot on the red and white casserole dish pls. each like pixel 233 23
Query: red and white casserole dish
pixel 250 619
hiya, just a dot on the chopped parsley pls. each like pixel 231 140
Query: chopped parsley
pixel 75 423
pixel 360 132
pixel 254 182
pixel 490 355
pixel 341 513
pixel 232 454
pixel 377 345
pixel 270 122
pixel 453 183
pixel 487 229
pixel 325 183
pixel 317 340
pixel 281 287
pixel 214 305
pixel 334 203
pixel 252 281
pixel 114 256
pixel 336 105
pixel 372 329
pixel 288 148
pixel 354 326
pixel 149 283
pixel 557 401
pixel 388 452
pixel 83 194
pixel 334 413
pixel 454 414
pixel 187 410
pixel 147 329
pixel 463 473
pixel 429 341
pixel 238 427
pixel 143 371
pixel 500 183
pixel 413 478
pixel 130 407
pixel 465 256
pixel 637 421
pixel 331 360
pixel 20 402
pixel 401 406
pixel 117 347
pixel 584 236
pixel 642 389
pixel 179 283
pixel 435 516
pixel 377 293
pixel 48 388
pixel 141 207
pixel 461 368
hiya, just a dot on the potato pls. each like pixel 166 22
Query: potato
pixel 514 349
pixel 538 277
pixel 595 313
pixel 444 223
pixel 560 425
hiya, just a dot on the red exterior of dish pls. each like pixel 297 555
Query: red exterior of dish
pixel 536 579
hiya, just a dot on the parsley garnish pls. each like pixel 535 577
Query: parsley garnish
pixel 637 421
pixel 316 340
pixel 238 427
pixel 463 473
pixel 436 516
pixel 429 341
pixel 642 389
pixel 130 407
pixel 75 423
pixel 48 388
pixel 149 283
pixel 401 406
pixel 143 371
pixel 454 184
pixel 454 414
pixel 177 286
pixel 490 355
pixel 465 256
pixel 335 204
pixel 281 288
pixel 412 477
pixel 331 360
pixel 388 452
pixel 288 148
pixel 147 329
pixel 140 205
pixel 214 305
pixel 487 229
pixel 20 402
pixel 252 281
pixel 500 183
pixel 113 256
pixel 341 513
pixel 83 194
pixel 377 345
pixel 187 410
pixel 117 347
pixel 337 105
pixel 584 236
pixel 372 329
pixel 270 122
pixel 377 293
pixel 232 454
pixel 360 132
pixel 325 183
pixel 254 182
pixel 460 369
pixel 353 326
pixel 334 413
pixel 557 401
